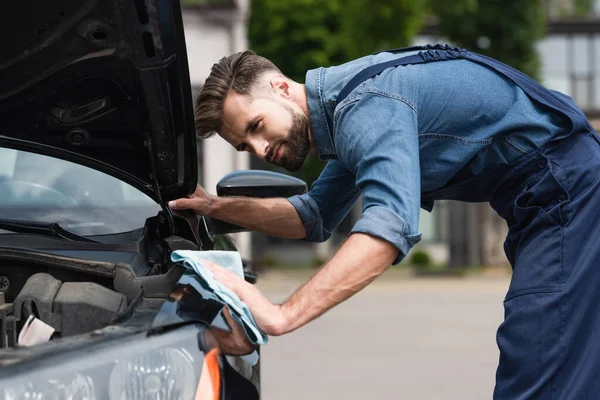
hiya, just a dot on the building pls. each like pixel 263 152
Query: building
pixel 214 29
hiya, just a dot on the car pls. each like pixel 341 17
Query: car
pixel 96 136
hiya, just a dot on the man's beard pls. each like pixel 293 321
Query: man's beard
pixel 296 145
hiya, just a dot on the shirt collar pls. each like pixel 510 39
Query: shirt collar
pixel 321 131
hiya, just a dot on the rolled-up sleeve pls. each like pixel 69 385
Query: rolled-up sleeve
pixel 377 139
pixel 329 200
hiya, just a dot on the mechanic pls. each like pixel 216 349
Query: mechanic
pixel 404 128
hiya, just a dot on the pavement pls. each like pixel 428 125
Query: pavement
pixel 400 338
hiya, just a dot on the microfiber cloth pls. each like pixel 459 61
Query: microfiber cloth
pixel 231 260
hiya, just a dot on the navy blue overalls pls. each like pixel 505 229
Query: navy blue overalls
pixel 550 198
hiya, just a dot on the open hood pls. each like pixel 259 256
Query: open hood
pixel 103 83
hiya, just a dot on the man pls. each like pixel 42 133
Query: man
pixel 405 128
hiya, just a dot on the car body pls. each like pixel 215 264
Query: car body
pixel 105 291
pixel 96 136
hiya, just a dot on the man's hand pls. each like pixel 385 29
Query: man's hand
pixel 199 201
pixel 276 216
pixel 268 316
pixel 234 343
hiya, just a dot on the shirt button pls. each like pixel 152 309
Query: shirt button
pixel 542 163
pixel 562 198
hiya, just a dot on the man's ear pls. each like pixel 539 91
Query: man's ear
pixel 281 85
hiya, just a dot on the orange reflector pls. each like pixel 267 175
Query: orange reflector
pixel 209 386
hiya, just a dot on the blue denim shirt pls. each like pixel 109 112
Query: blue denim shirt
pixel 410 130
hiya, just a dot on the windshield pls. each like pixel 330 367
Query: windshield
pixel 82 200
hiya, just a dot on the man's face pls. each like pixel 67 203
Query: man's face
pixel 267 126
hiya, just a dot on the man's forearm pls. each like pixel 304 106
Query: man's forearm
pixel 275 216
pixel 357 263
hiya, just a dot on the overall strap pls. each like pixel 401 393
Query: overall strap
pixel 407 49
pixel 429 53
pixel 557 101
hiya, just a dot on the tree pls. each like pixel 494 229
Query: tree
pixel 583 7
pixel 507 30
pixel 371 25
pixel 298 35
pixel 572 8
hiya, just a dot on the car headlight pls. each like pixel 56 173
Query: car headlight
pixel 78 387
pixel 170 366
pixel 166 373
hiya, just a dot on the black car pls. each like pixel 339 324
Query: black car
pixel 96 136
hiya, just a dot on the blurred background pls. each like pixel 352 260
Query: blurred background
pixel 555 41
pixel 426 329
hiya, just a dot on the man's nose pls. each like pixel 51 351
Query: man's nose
pixel 260 148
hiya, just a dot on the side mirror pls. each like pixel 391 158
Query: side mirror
pixel 254 183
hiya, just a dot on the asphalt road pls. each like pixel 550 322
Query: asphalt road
pixel 398 339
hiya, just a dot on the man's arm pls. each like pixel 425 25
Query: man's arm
pixel 357 263
pixel 311 216
pixel 385 163
pixel 360 260
pixel 276 216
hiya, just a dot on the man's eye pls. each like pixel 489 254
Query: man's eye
pixel 255 126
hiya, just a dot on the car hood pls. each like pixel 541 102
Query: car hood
pixel 104 84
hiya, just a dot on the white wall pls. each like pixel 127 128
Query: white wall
pixel 209 37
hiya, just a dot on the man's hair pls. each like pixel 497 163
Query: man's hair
pixel 239 73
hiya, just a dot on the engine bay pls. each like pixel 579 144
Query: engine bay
pixel 73 296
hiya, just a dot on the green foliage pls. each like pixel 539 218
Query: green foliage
pixel 420 258
pixel 506 30
pixel 371 25
pixel 573 8
pixel 296 34
pixel 268 261
pixel 583 7
pixel 311 169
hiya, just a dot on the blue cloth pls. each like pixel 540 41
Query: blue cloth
pixel 403 135
pixel 232 261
